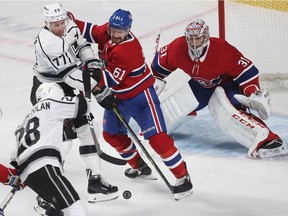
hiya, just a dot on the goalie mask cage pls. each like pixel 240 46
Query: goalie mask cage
pixel 259 29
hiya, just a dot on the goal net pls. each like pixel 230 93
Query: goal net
pixel 259 29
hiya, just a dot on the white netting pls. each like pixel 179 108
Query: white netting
pixel 259 30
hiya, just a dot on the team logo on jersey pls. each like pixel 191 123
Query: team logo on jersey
pixel 208 83
pixel 74 47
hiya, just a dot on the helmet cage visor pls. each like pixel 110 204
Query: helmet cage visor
pixel 197 29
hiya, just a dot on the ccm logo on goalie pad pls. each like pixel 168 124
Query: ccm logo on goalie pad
pixel 241 126
pixel 245 122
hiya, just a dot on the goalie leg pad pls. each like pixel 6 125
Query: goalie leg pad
pixel 242 127
pixel 176 104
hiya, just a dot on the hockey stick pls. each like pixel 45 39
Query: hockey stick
pixel 8 198
pixel 157 40
pixel 101 154
pixel 173 189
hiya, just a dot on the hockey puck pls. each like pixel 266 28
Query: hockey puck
pixel 127 194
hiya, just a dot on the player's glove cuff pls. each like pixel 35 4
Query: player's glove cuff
pixel 159 85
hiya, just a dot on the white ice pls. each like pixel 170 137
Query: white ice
pixel 225 181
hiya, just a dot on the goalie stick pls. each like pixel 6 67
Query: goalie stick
pixel 173 189
pixel 8 198
pixel 101 154
pixel 157 40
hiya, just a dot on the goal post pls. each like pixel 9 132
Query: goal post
pixel 258 28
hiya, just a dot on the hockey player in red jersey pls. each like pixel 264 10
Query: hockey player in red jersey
pixel 8 176
pixel 131 81
pixel 226 81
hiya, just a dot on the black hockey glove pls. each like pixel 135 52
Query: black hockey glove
pixel 94 67
pixel 105 98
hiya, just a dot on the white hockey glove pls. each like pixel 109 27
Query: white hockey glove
pixel 159 85
pixel 259 101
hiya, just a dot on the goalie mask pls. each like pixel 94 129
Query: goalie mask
pixel 197 36
pixel 49 90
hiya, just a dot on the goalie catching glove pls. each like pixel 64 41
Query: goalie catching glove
pixel 105 97
pixel 259 101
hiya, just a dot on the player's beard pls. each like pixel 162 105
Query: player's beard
pixel 117 40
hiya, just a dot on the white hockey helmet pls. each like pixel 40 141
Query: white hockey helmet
pixel 54 12
pixel 197 28
pixel 49 90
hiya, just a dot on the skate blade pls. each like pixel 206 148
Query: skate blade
pixel 39 210
pixel 99 197
pixel 179 196
pixel 146 177
pixel 277 153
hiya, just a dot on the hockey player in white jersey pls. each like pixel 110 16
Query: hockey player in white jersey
pixel 39 153
pixel 60 51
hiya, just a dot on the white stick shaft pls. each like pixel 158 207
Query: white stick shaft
pixel 157 40
pixel 7 199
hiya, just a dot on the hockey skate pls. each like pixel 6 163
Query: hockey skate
pixel 272 149
pixel 41 206
pixel 100 190
pixel 184 187
pixel 144 172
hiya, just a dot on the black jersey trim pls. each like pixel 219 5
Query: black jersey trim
pixel 82 106
pixel 49 152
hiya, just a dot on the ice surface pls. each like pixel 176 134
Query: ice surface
pixel 225 181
